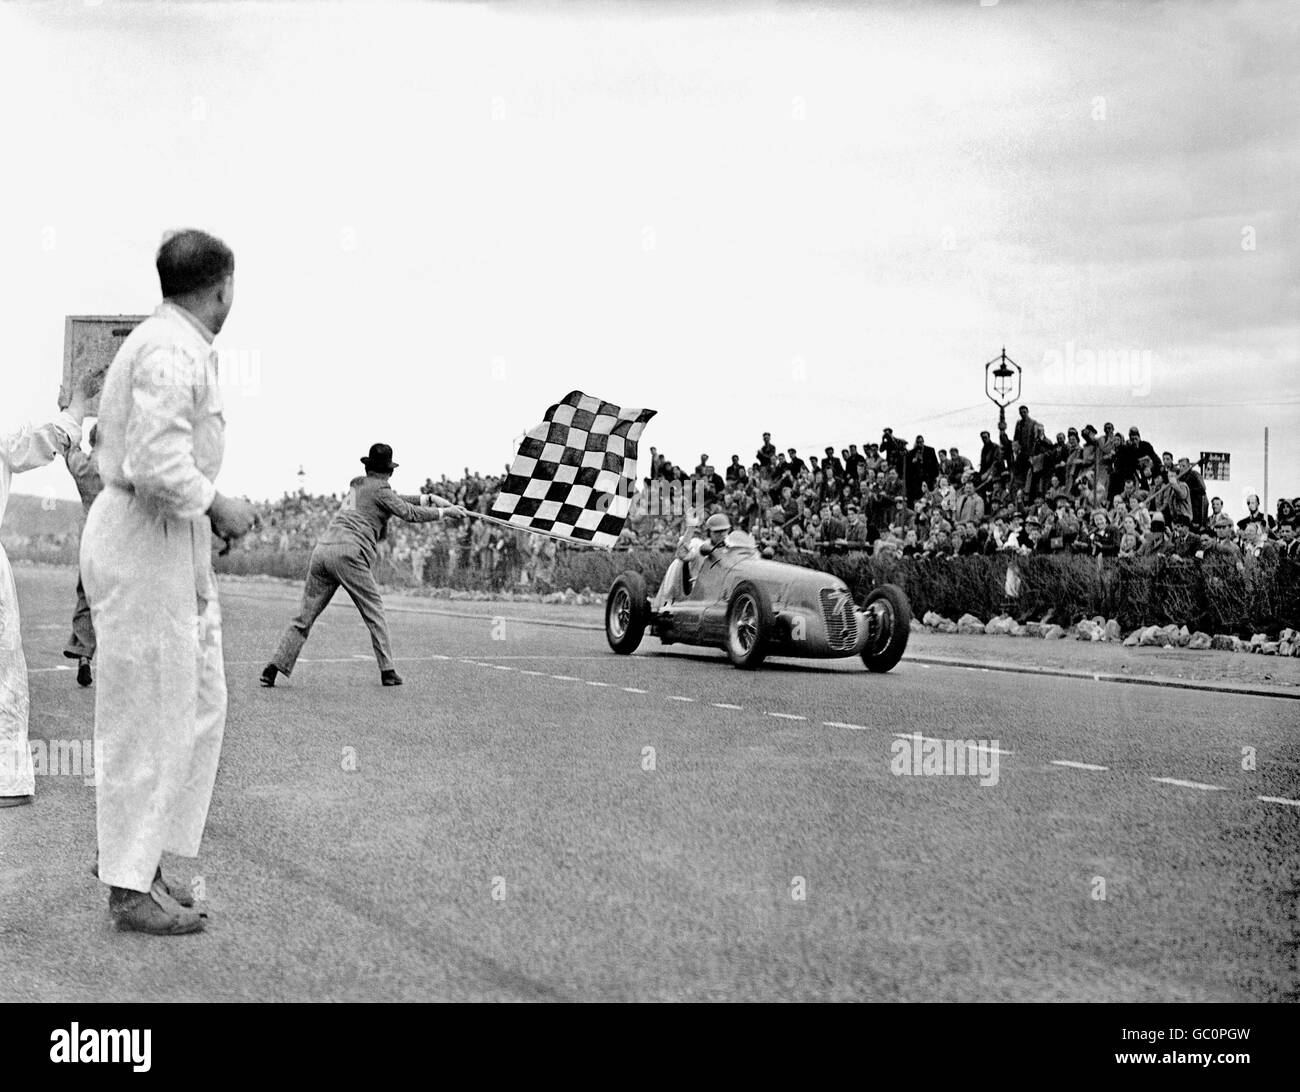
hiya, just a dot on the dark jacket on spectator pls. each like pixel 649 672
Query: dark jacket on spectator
pixel 1096 542
pixel 1022 438
pixel 1128 458
pixel 1199 498
pixel 1156 545
pixel 922 471
pixel 990 460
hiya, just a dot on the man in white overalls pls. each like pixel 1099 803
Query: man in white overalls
pixel 146 564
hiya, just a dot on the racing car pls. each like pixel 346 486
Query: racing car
pixel 753 608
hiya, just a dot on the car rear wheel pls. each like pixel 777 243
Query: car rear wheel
pixel 749 625
pixel 890 617
pixel 627 612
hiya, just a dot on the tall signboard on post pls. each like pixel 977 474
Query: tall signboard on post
pixel 1215 465
pixel 89 344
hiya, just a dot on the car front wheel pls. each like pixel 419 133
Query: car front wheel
pixel 890 617
pixel 749 625
pixel 626 613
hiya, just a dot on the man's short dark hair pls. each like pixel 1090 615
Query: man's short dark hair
pixel 190 261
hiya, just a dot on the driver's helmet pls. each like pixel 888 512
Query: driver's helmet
pixel 717 523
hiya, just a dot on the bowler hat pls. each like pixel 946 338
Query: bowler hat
pixel 380 459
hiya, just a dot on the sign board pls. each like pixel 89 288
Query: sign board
pixel 1215 465
pixel 89 344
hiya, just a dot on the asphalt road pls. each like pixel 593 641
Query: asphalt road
pixel 501 836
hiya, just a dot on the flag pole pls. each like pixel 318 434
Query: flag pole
pixel 533 531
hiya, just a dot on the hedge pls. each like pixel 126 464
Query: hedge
pixel 1212 596
pixel 1203 595
pixel 1209 595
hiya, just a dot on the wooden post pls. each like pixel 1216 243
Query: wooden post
pixel 1265 508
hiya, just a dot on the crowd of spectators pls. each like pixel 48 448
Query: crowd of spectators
pixel 1087 492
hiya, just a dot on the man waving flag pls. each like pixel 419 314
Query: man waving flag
pixel 572 477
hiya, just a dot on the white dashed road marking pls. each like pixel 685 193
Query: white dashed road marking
pixel 1066 763
pixel 1187 784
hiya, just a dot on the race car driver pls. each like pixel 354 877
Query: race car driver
pixel 693 551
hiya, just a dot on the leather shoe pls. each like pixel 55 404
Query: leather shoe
pixel 181 892
pixel 84 677
pixel 268 674
pixel 390 678
pixel 152 911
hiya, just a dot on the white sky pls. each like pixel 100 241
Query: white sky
pixel 811 220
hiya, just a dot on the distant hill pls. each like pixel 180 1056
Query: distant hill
pixel 27 515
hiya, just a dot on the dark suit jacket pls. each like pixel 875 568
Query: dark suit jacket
pixel 362 519
pixel 1022 436
pixel 1200 504
pixel 922 466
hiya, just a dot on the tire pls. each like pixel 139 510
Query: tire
pixel 749 625
pixel 893 617
pixel 627 612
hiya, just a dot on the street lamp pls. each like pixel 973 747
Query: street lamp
pixel 1002 385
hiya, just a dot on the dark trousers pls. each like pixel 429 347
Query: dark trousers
pixel 333 567
pixel 82 641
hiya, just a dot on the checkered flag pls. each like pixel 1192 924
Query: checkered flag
pixel 572 478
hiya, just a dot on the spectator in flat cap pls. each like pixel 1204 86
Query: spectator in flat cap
pixel 1157 542
pixel 1223 542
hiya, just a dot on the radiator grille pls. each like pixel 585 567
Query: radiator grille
pixel 841 619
